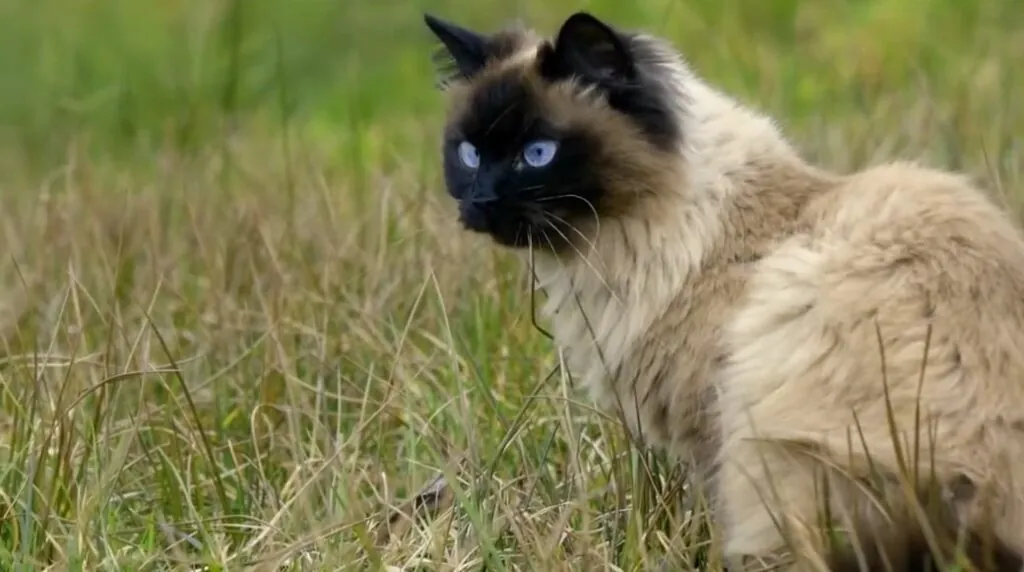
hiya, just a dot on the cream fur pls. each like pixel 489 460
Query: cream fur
pixel 747 303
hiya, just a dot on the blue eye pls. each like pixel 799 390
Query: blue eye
pixel 539 153
pixel 469 155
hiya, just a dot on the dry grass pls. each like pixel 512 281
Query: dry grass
pixel 242 351
pixel 241 377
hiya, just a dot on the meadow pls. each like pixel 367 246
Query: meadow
pixel 240 328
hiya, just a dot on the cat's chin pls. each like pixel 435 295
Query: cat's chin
pixel 541 239
pixel 510 230
pixel 521 238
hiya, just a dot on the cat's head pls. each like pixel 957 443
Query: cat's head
pixel 546 138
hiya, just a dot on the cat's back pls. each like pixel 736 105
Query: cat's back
pixel 901 300
pixel 921 242
pixel 904 247
pixel 915 205
pixel 895 261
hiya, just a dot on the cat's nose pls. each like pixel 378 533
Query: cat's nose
pixel 484 198
pixel 483 192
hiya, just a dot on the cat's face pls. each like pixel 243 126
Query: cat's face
pixel 544 139
pixel 518 176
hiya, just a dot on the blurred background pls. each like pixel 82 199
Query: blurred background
pixel 176 72
pixel 238 322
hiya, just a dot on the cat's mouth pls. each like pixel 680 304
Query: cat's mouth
pixel 515 226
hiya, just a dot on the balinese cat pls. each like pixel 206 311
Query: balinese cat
pixel 734 303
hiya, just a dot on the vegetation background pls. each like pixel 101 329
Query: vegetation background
pixel 238 322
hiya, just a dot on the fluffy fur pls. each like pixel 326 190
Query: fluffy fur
pixel 732 302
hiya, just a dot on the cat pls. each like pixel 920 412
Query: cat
pixel 733 302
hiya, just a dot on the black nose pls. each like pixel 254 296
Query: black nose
pixel 483 199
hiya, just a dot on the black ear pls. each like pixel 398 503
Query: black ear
pixel 464 52
pixel 589 48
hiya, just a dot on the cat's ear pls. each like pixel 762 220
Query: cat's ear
pixel 463 52
pixel 588 48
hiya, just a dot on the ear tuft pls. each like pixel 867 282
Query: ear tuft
pixel 463 52
pixel 589 48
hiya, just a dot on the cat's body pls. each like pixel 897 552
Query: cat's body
pixel 715 288
pixel 680 268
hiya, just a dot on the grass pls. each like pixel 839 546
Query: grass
pixel 238 322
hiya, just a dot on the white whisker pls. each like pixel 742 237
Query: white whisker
pixel 586 259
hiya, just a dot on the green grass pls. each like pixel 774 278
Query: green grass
pixel 238 321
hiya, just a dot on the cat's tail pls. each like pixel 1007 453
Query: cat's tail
pixel 921 536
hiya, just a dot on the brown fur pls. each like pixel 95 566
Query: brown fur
pixel 733 295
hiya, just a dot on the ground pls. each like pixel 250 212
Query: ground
pixel 238 323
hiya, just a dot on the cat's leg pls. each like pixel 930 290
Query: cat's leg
pixel 768 499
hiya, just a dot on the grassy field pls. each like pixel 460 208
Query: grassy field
pixel 238 323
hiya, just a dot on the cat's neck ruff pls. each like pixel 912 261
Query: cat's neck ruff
pixel 611 288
